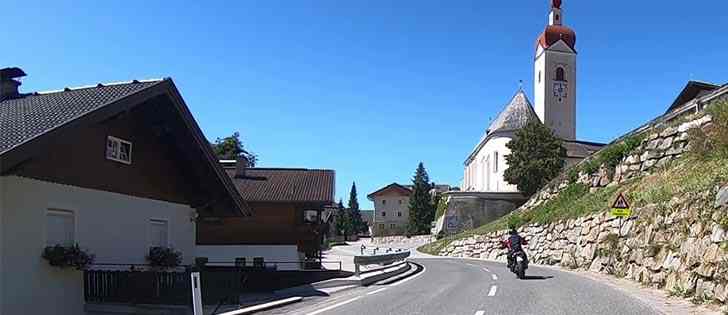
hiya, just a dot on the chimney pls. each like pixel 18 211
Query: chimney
pixel 240 167
pixel 9 82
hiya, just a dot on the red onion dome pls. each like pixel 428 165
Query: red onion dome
pixel 554 33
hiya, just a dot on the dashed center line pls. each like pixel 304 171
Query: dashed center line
pixel 495 277
pixel 480 313
pixel 492 290
pixel 376 291
pixel 328 308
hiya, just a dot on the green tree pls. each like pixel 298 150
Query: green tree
pixel 230 148
pixel 421 209
pixel 536 157
pixel 357 223
pixel 343 221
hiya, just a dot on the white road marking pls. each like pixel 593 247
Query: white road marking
pixel 486 269
pixel 376 291
pixel 480 313
pixel 409 278
pixel 495 277
pixel 328 308
pixel 492 290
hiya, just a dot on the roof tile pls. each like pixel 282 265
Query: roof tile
pixel 31 115
pixel 285 185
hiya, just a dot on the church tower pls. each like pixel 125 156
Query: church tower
pixel 555 75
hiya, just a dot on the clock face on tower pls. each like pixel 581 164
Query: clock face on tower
pixel 560 89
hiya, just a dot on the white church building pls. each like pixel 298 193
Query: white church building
pixel 555 95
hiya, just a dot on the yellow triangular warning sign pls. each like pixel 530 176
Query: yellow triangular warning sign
pixel 620 203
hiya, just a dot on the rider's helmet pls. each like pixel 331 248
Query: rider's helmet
pixel 513 232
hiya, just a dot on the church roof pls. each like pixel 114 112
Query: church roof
pixel 554 33
pixel 513 117
pixel 516 114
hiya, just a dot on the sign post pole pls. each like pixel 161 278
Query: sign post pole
pixel 196 294
pixel 621 209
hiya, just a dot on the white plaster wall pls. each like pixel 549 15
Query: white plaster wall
pixel 479 181
pixel 559 116
pixel 394 205
pixel 112 226
pixel 270 253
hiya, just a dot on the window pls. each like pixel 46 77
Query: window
pixel 118 150
pixel 384 214
pixel 384 201
pixel 391 226
pixel 495 162
pixel 60 228
pixel 400 201
pixel 560 74
pixel 158 233
pixel 381 226
pixel 539 76
pixel 399 214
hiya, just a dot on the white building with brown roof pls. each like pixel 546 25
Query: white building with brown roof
pixel 555 94
pixel 116 169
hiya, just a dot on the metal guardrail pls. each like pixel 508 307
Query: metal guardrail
pixel 385 259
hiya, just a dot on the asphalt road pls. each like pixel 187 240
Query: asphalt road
pixel 468 287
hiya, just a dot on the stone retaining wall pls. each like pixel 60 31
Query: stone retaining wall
pixel 681 247
pixel 679 252
pixel 417 239
pixel 659 147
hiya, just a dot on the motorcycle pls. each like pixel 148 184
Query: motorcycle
pixel 517 263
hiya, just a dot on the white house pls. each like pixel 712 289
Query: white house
pixel 115 168
pixel 555 95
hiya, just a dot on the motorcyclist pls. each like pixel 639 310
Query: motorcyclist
pixel 515 243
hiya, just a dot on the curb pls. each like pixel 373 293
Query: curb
pixel 264 306
pixel 368 277
pixel 386 273
pixel 413 270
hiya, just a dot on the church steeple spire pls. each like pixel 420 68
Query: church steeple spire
pixel 555 17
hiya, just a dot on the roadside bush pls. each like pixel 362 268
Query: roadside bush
pixel 712 141
pixel 164 257
pixel 68 256
pixel 515 221
pixel 611 155
pixel 441 207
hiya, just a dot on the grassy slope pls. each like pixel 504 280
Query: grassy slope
pixel 689 175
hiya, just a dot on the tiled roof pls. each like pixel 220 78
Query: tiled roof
pixel 515 116
pixel 580 149
pixel 393 187
pixel 285 184
pixel 31 115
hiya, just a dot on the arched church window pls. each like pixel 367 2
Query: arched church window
pixel 495 162
pixel 560 74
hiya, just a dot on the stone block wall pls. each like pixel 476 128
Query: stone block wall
pixel 679 251
pixel 681 247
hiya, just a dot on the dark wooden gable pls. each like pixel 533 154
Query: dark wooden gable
pixel 166 163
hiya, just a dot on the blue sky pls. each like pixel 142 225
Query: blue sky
pixel 369 88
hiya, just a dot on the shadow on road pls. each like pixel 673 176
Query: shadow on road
pixel 537 277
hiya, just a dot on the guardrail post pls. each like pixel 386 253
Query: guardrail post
pixel 196 294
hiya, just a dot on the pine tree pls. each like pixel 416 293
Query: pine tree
pixel 358 224
pixel 536 157
pixel 421 209
pixel 343 221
